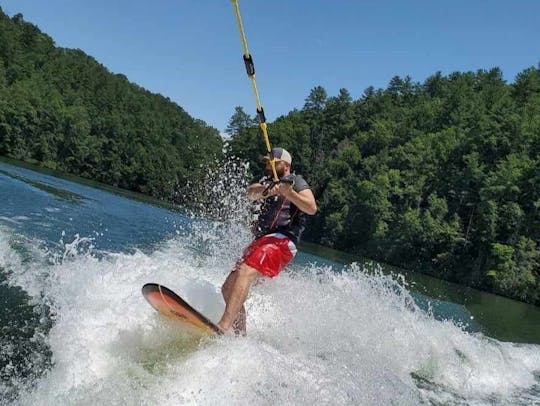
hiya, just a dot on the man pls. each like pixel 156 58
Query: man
pixel 278 229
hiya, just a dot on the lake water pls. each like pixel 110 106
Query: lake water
pixel 75 328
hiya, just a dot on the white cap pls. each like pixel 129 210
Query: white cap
pixel 282 154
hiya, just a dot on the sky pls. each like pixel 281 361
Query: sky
pixel 190 50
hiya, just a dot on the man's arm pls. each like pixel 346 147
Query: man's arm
pixel 304 199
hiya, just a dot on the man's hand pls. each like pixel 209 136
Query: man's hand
pixel 304 199
pixel 285 189
pixel 282 189
pixel 273 191
pixel 255 191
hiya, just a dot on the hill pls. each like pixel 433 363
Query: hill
pixel 64 110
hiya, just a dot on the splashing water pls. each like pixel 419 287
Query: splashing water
pixel 314 336
pixel 222 201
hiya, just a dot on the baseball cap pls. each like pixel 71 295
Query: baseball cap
pixel 282 154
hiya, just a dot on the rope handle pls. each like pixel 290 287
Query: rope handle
pixel 289 179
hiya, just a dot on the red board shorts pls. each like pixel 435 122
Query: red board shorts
pixel 269 254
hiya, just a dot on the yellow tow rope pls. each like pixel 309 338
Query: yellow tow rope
pixel 250 69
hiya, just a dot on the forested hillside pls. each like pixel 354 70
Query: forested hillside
pixel 61 108
pixel 442 176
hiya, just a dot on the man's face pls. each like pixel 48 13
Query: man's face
pixel 281 168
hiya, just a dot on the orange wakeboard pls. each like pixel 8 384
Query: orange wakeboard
pixel 168 303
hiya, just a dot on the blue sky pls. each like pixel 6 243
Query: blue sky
pixel 189 50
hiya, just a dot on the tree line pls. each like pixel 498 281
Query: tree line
pixel 441 176
pixel 62 109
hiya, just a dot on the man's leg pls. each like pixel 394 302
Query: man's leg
pixel 239 324
pixel 235 291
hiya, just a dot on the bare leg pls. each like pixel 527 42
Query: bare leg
pixel 239 324
pixel 235 291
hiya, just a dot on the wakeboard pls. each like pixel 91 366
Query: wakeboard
pixel 168 303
